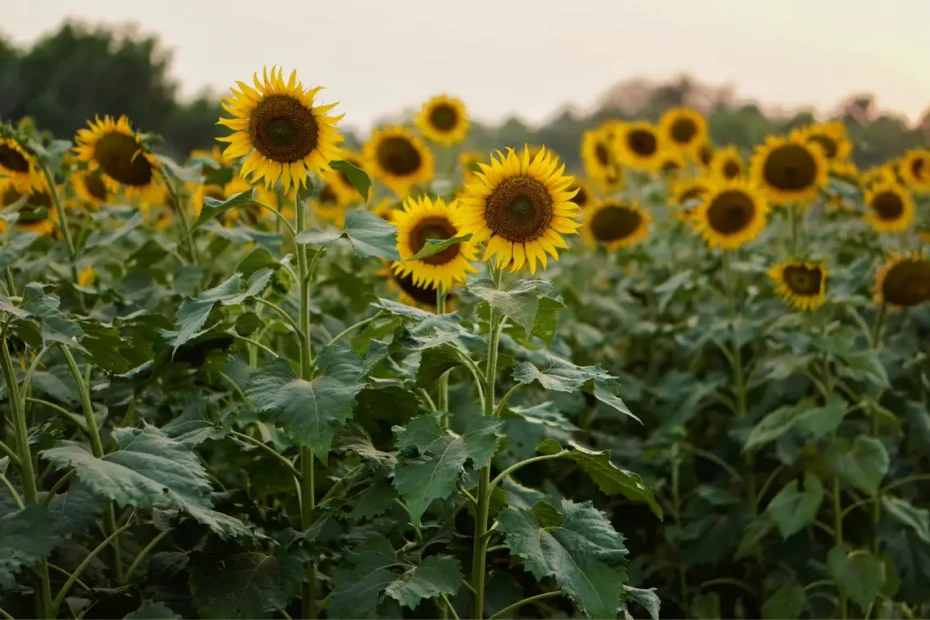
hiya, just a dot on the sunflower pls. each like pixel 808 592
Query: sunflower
pixel 703 155
pixel 584 197
pixel 686 194
pixel 915 170
pixel 727 163
pixel 615 224
pixel 37 213
pixel 890 207
pixel 732 214
pixel 214 154
pixel 90 187
pixel 328 208
pixel 671 163
pixel 408 292
pixel 399 159
pixel 876 175
pixel 600 162
pixel 830 136
pixel 800 283
pixel 112 147
pixel 639 146
pixel 385 209
pixel 846 170
pixel 251 214
pixel 87 276
pixel 685 128
pixel 904 280
pixel 443 120
pixel 468 161
pixel 279 131
pixel 789 170
pixel 339 183
pixel 18 165
pixel 521 207
pixel 421 220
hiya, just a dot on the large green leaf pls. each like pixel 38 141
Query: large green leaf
pixel 26 537
pixel 583 552
pixel 546 413
pixel 360 579
pixel 815 421
pixel 787 602
pixel 520 303
pixel 435 363
pixel 213 207
pixel 861 463
pixel 858 575
pixel 908 515
pixel 75 511
pixel 369 235
pixel 794 509
pixel 647 598
pixel 437 574
pixel 357 177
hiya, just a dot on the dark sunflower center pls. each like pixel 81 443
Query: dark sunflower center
pixel 434 228
pixel 399 156
pixel 421 295
pixel 791 168
pixel 918 166
pixel 705 154
pixel 671 166
pixel 731 212
pixel 615 222
pixel 282 129
pixel 9 196
pixel 11 159
pixel 828 145
pixel 444 117
pixel 907 283
pixel 683 130
pixel 95 186
pixel 888 206
pixel 519 209
pixel 328 196
pixel 602 154
pixel 120 158
pixel 40 199
pixel 803 280
pixel 581 198
pixel 731 169
pixel 691 193
pixel 642 142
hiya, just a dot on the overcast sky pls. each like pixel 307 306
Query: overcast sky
pixel 528 56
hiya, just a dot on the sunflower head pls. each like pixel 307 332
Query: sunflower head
pixel 732 214
pixel 831 137
pixel 385 209
pixel 671 163
pixel 684 128
pixel 640 146
pixel 279 131
pixel 423 296
pixel 443 120
pixel 36 212
pixel 915 170
pixel 120 154
pixel 877 174
pixel 399 159
pixel 424 219
pixel 327 207
pixel 727 163
pixel 90 187
pixel 18 165
pixel 468 162
pixel 789 170
pixel 846 170
pixel 584 196
pixel 614 224
pixel 521 207
pixel 904 280
pixel 599 159
pixel 800 283
pixel 889 207
pixel 687 194
pixel 87 276
pixel 703 154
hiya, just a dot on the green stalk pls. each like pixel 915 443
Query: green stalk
pixel 65 231
pixel 873 429
pixel 182 218
pixel 442 401
pixel 307 483
pixel 30 489
pixel 837 499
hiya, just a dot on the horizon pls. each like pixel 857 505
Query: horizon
pixel 887 62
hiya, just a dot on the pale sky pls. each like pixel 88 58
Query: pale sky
pixel 529 57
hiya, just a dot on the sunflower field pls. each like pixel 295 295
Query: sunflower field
pixel 288 379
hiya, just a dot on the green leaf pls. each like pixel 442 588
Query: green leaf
pixel 547 319
pixel 908 515
pixel 16 244
pixel 437 574
pixel 113 236
pixel 859 575
pixel 584 554
pixel 864 366
pixel 792 509
pixel 361 578
pixel 755 533
pixel 706 606
pixel 862 463
pixel 666 291
pixel 785 603
pixel 213 207
pixel 369 235
pixel 520 303
pixel 546 413
pixel 26 537
pixel 259 258
pixel 815 421
pixel 151 610
pixel 435 246
pixel 188 174
pixel 357 177
pixel 647 598
pixel 149 470
pixel 435 363
pixel 75 511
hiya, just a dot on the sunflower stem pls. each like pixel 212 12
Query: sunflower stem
pixel 442 400
pixel 182 218
pixel 873 428
pixel 65 231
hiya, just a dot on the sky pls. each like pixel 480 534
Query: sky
pixel 528 57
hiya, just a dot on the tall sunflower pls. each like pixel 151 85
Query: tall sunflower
pixel 903 280
pixel 889 207
pixel 615 224
pixel 90 187
pixel 112 147
pixel 800 283
pixel 639 145
pixel 424 219
pixel 733 214
pixel 443 120
pixel 279 131
pixel 684 128
pixel 915 170
pixel 521 207
pixel 830 136
pixel 599 160
pixel 789 170
pixel 18 165
pixel 727 163
pixel 687 195
pixel 398 159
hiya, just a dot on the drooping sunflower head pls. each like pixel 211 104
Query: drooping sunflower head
pixel 584 197
pixel 443 120
pixel 423 296
pixel 421 220
pixel 889 207
pixel 18 165
pixel 800 283
pixel 614 224
pixel 112 147
pixel 279 131
pixel 398 159
pixel 521 207
pixel 671 163
pixel 904 280
pixel 684 128
pixel 36 212
pixel 639 145
pixel 831 137
pixel 915 170
pixel 789 170
pixel 90 187
pixel 687 195
pixel 599 159
pixel 727 163
pixel 732 214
